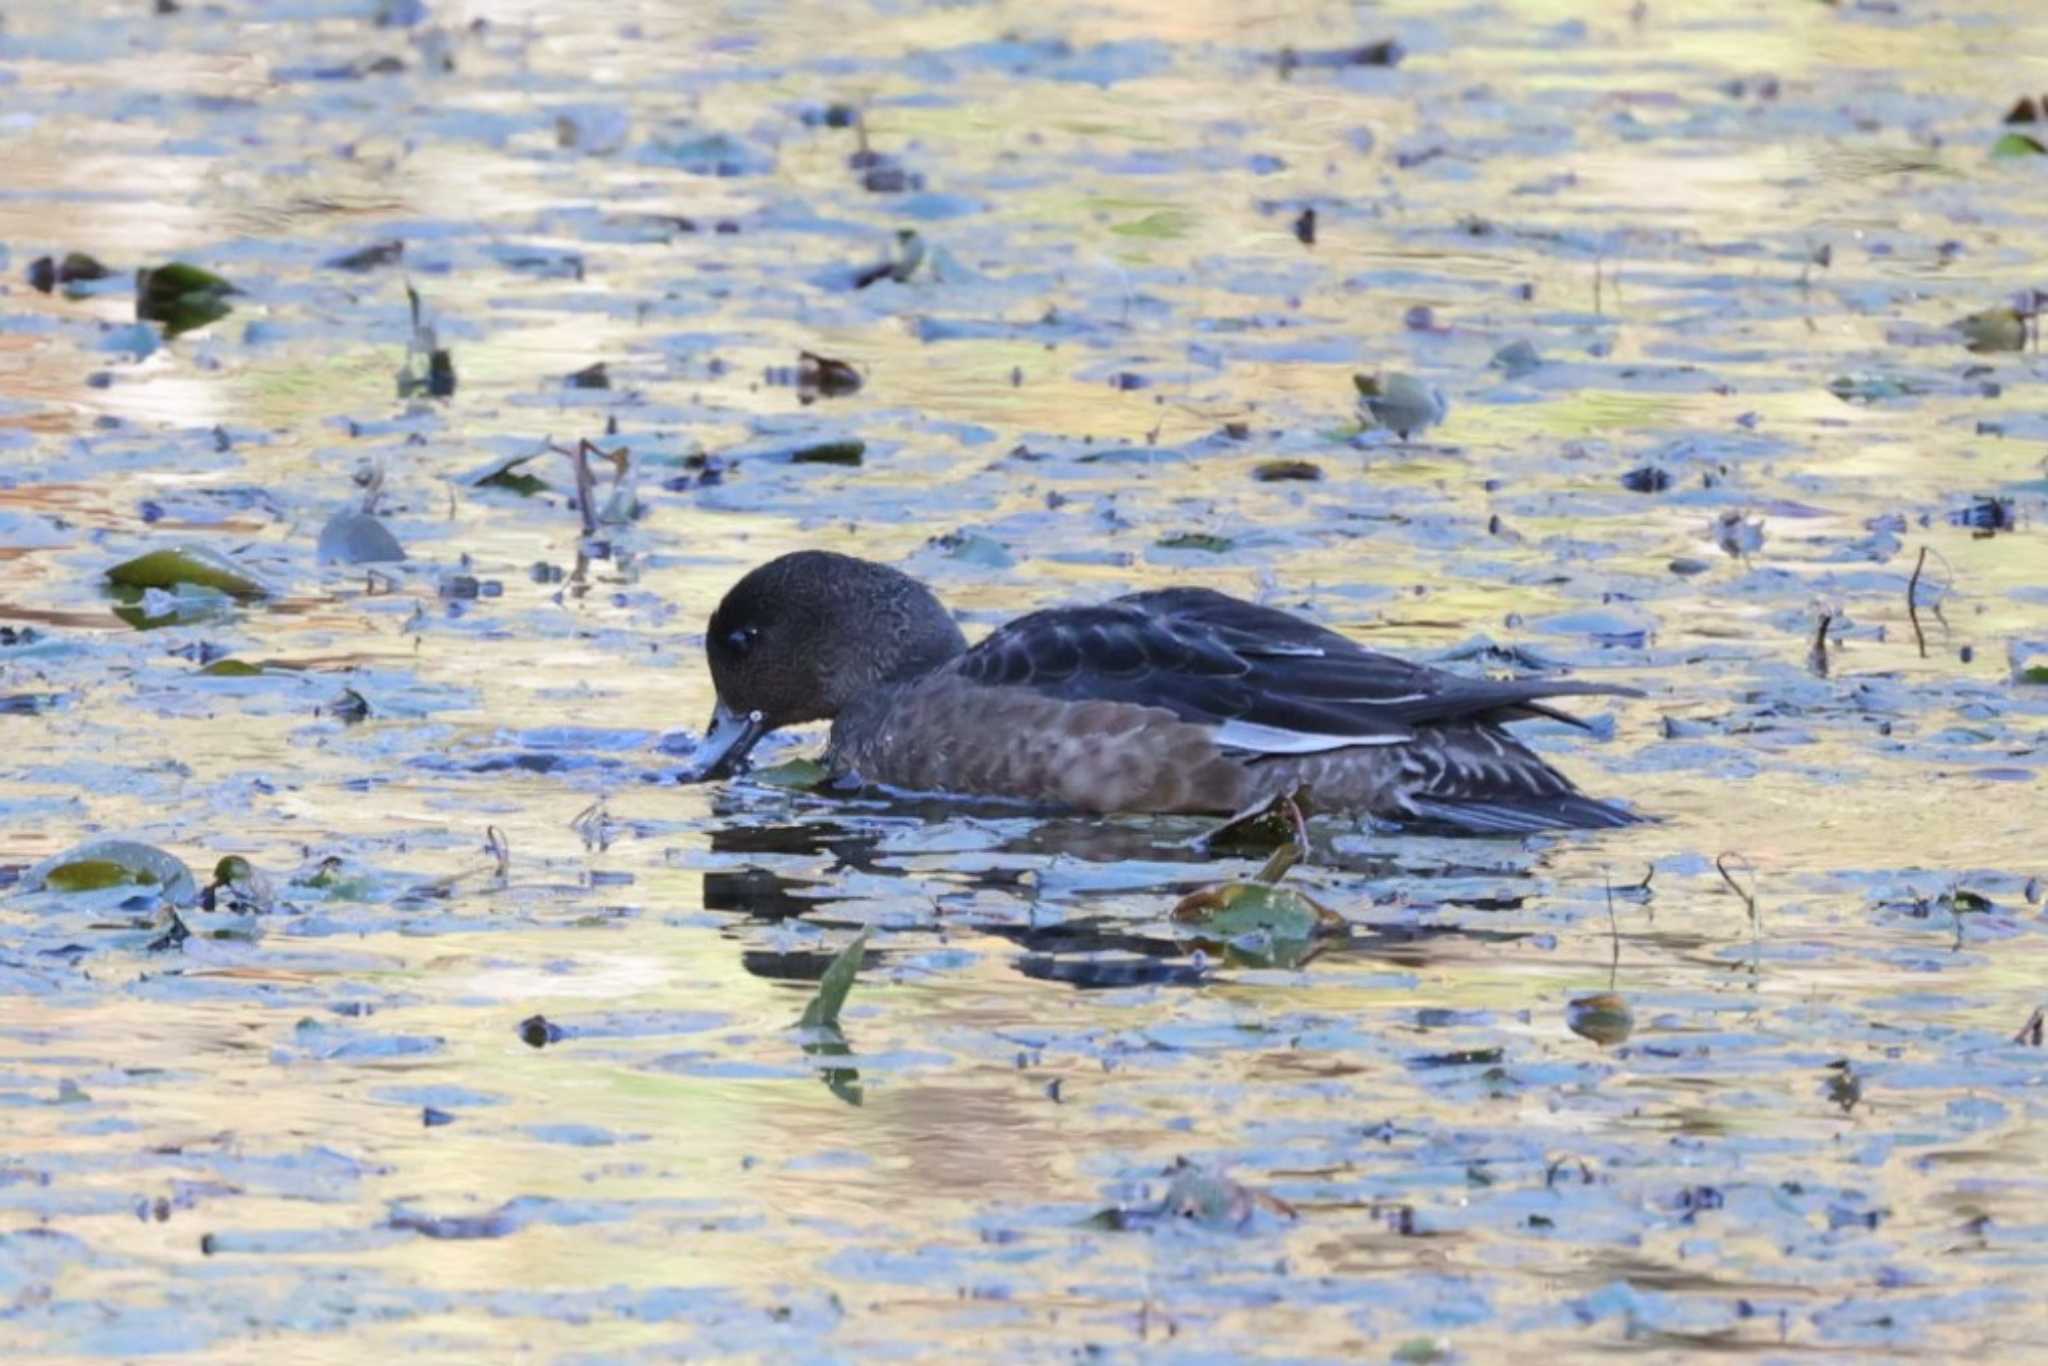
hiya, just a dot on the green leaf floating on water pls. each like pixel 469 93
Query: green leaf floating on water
pixel 507 472
pixel 2033 673
pixel 1233 910
pixel 180 296
pixel 830 453
pixel 1161 225
pixel 823 1011
pixel 1994 329
pixel 232 668
pixel 196 565
pixel 99 864
pixel 2018 145
pixel 1196 540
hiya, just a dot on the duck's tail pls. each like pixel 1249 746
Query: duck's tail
pixel 1476 779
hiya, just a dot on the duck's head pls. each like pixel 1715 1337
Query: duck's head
pixel 800 637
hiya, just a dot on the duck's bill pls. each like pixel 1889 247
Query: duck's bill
pixel 725 744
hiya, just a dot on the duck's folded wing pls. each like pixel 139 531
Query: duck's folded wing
pixel 1270 683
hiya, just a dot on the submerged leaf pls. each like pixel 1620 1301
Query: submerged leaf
pixel 823 1011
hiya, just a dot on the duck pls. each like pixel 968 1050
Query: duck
pixel 1172 700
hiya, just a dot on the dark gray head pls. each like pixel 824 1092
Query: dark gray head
pixel 800 637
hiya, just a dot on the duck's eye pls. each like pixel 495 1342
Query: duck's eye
pixel 742 640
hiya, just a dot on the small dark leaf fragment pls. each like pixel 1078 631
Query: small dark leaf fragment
pixel 538 1031
pixel 1279 471
pixel 370 257
pixel 847 452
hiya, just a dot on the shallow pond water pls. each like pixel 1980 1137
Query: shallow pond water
pixel 509 1065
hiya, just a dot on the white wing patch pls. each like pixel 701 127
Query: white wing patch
pixel 1273 648
pixel 1258 739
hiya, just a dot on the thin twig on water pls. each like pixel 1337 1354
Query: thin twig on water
pixel 1613 934
pixel 1748 895
pixel 586 483
pixel 1913 602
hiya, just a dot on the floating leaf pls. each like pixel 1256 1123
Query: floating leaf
pixel 99 864
pixel 370 257
pixel 823 1011
pixel 1237 910
pixel 1199 1196
pixel 1159 225
pixel 2033 673
pixel 973 547
pixel 1516 359
pixel 180 296
pixel 1994 329
pixel 825 376
pixel 1401 403
pixel 232 668
pixel 350 707
pixel 1280 471
pixel 1605 1018
pixel 1195 540
pixel 830 453
pixel 1871 388
pixel 195 565
pixel 358 538
pixel 1737 533
pixel 507 473
pixel 45 273
pixel 2018 145
pixel 238 887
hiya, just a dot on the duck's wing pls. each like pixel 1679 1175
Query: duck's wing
pixel 1269 682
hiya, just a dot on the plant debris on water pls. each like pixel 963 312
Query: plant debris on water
pixel 389 392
